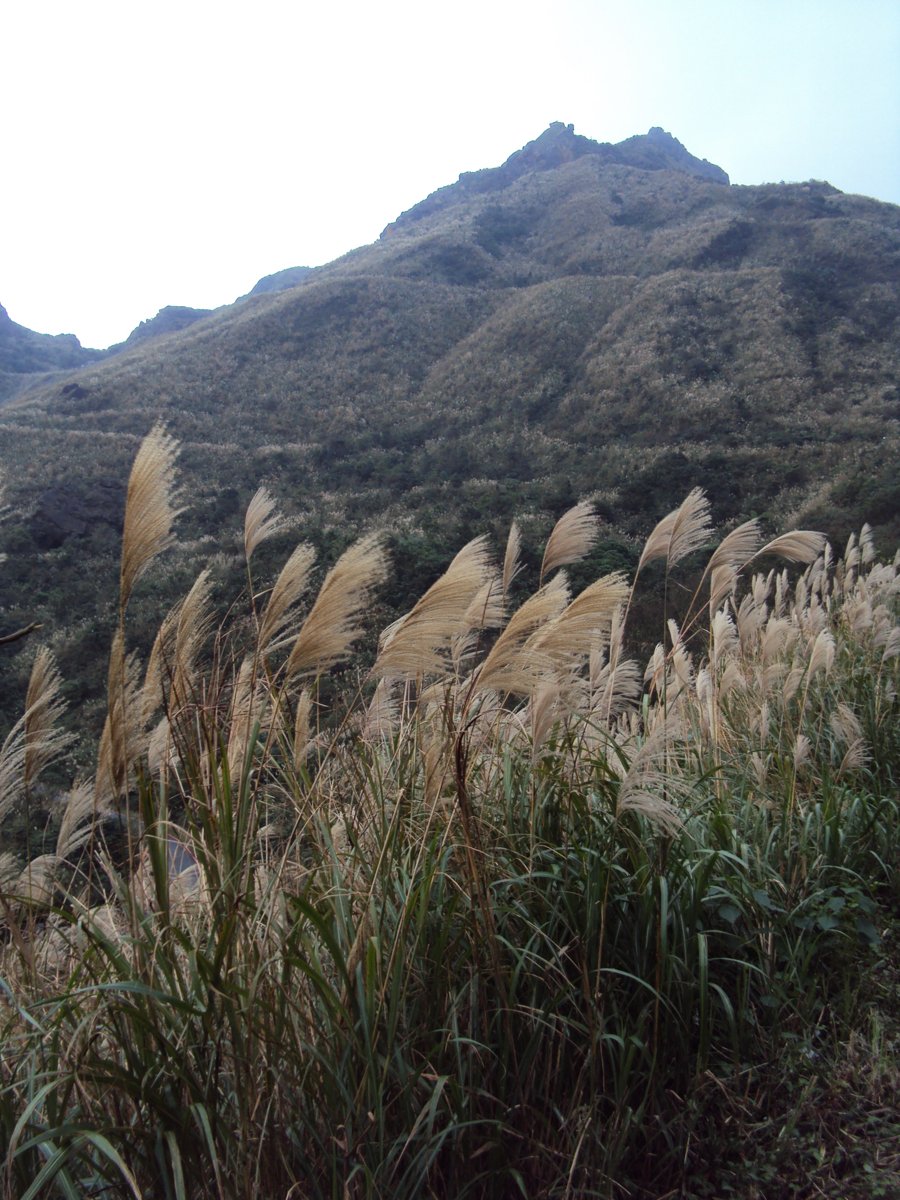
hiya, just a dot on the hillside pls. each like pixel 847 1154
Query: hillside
pixel 26 357
pixel 586 320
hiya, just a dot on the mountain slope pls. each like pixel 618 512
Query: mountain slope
pixel 26 357
pixel 585 320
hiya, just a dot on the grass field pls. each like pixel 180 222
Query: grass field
pixel 491 910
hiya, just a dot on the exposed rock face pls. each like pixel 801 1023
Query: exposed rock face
pixel 61 514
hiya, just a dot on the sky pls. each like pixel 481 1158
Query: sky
pixel 174 153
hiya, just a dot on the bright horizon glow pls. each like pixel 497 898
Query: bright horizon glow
pixel 177 154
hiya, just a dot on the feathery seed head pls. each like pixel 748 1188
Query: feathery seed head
pixel 680 533
pixel 261 521
pixel 149 509
pixel 572 537
pixel 332 625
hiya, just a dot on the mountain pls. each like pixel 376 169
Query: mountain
pixel 171 319
pixel 617 322
pixel 280 281
pixel 26 357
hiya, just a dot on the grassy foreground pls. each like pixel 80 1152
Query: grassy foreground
pixel 510 915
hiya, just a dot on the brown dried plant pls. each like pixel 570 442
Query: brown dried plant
pixel 419 643
pixel 572 537
pixel 332 626
pixel 149 509
pixel 261 521
pixel 680 533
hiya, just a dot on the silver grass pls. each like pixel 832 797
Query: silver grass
pixel 261 521
pixel 247 708
pixel 150 509
pixel 655 671
pixel 419 643
pixel 706 702
pixel 856 758
pixel 161 754
pixel 290 585
pixel 75 828
pixel 799 545
pixel 845 724
pixel 680 533
pixel 9 870
pixel 724 638
pixel 509 666
pixel 867 545
pixel 777 636
pixel 650 782
pixel 679 656
pixel 332 625
pixel 617 687
pixel 37 881
pixel 193 623
pixel 12 767
pixel 382 714
pixel 732 680
pixel 588 617
pixel 891 644
pixel 822 655
pixel 511 561
pixel 303 742
pixel 121 740
pixel 722 582
pixel 44 741
pixel 791 685
pixel 573 536
pixel 802 750
pixel 544 710
pixel 486 611
pixel 737 548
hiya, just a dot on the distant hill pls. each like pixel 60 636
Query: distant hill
pixel 26 357
pixel 280 281
pixel 585 320
pixel 171 319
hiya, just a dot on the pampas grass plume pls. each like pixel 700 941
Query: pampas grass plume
pixel 261 521
pixel 149 509
pixel 332 626
pixel 573 535
pixel 684 530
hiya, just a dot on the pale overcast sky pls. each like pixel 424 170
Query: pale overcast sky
pixel 173 153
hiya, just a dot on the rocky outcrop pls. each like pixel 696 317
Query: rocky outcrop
pixel 25 355
pixel 61 513
pixel 171 319
pixel 279 282
pixel 560 144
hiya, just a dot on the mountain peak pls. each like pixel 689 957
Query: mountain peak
pixel 558 145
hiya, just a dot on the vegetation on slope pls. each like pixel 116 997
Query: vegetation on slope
pixel 490 910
